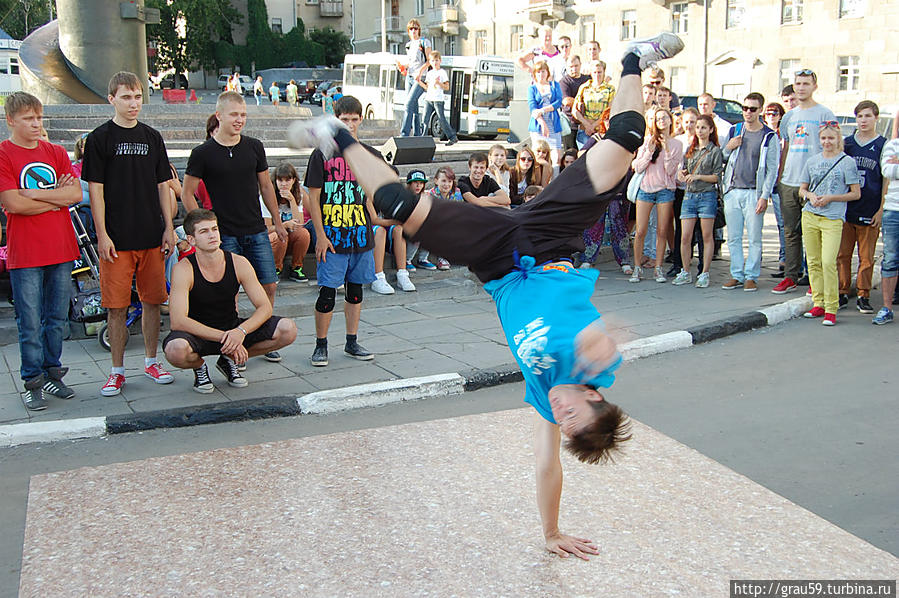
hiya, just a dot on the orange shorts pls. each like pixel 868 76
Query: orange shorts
pixel 147 265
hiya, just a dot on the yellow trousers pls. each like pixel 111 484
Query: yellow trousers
pixel 821 237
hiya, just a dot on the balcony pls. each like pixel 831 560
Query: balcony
pixel 540 10
pixel 330 8
pixel 443 20
pixel 395 28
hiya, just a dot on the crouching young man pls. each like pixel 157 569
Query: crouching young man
pixel 203 309
pixel 543 302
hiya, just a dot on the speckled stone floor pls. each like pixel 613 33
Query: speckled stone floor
pixel 441 508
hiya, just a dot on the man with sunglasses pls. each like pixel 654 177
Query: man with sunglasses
pixel 799 130
pixel 752 152
pixel 417 50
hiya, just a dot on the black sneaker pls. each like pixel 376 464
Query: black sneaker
pixel 320 356
pixel 864 306
pixel 202 382
pixel 673 271
pixel 355 350
pixel 297 275
pixel 803 281
pixel 844 301
pixel 55 386
pixel 779 274
pixel 229 369
pixel 272 356
pixel 33 397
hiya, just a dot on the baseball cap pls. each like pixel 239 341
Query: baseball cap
pixel 416 175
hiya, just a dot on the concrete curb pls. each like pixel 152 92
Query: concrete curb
pixel 378 393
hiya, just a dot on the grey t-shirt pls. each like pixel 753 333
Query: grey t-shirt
pixel 747 164
pixel 836 182
pixel 417 54
pixel 800 128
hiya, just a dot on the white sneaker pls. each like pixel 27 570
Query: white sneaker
pixel 659 275
pixel 627 269
pixel 653 49
pixel 683 277
pixel 635 276
pixel 317 132
pixel 380 285
pixel 702 281
pixel 402 279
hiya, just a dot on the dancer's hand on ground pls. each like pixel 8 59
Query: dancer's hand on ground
pixel 322 247
pixel 594 351
pixel 564 545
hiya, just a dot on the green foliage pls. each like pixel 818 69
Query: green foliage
pixel 21 17
pixel 335 44
pixel 207 26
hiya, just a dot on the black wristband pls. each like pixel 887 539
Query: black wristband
pixel 344 139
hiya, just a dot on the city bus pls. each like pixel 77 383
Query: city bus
pixel 476 105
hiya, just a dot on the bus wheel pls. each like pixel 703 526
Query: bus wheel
pixel 435 128
pixel 369 113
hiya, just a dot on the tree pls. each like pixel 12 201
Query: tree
pixel 21 17
pixel 336 44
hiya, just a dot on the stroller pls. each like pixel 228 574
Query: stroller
pixel 86 308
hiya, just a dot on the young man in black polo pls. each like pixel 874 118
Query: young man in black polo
pixel 127 170
pixel 234 168
pixel 478 187
pixel 204 313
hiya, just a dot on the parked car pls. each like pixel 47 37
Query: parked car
pixel 319 94
pixel 729 110
pixel 168 82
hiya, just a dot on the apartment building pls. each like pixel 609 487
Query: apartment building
pixel 315 14
pixel 851 44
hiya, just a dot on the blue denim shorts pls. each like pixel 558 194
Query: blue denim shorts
pixel 258 250
pixel 339 268
pixel 699 205
pixel 663 196
pixel 890 226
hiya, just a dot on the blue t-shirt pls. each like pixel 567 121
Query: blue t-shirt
pixel 542 309
pixel 867 159
pixel 800 127
pixel 824 180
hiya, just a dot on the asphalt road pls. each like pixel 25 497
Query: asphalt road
pixel 806 411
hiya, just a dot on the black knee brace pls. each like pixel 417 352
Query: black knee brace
pixel 395 201
pixel 627 130
pixel 353 294
pixel 325 303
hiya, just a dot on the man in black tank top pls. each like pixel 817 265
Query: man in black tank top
pixel 203 312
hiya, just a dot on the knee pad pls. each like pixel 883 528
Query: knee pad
pixel 627 130
pixel 395 201
pixel 325 303
pixel 353 293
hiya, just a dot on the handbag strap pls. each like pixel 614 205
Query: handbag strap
pixel 821 180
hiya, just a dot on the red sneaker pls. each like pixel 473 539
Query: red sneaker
pixel 784 286
pixel 159 375
pixel 815 312
pixel 113 385
pixel 830 320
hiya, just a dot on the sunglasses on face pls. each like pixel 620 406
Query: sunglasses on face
pixel 414 29
pixel 804 73
pixel 750 108
pixel 526 159
pixel 829 124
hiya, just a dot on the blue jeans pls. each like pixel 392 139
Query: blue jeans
pixel 775 201
pixel 438 107
pixel 258 251
pixel 739 212
pixel 889 267
pixel 42 298
pixel 412 120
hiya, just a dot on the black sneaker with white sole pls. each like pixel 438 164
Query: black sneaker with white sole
pixel 272 356
pixel 356 351
pixel 54 384
pixel 844 301
pixel 202 381
pixel 864 306
pixel 229 369
pixel 320 356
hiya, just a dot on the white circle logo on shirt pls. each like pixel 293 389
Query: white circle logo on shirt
pixel 37 175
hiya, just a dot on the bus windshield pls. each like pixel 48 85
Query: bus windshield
pixel 492 91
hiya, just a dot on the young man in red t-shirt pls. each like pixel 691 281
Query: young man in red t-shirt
pixel 36 188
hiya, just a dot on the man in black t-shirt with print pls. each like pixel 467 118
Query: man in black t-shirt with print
pixel 478 187
pixel 127 170
pixel 235 171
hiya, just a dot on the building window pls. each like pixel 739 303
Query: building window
pixel 13 65
pixel 276 25
pixel 516 38
pixel 396 48
pixel 588 29
pixel 419 7
pixel 678 78
pixel 788 69
pixel 679 17
pixel 848 73
pixel 791 12
pixel 311 1
pixel 480 42
pixel 451 41
pixel 736 12
pixel 628 24
pixel 850 9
